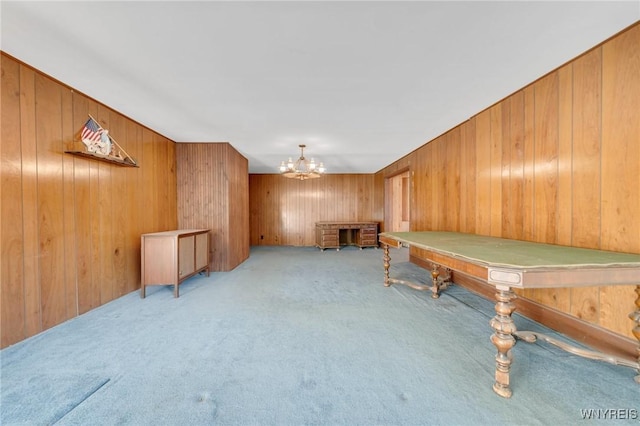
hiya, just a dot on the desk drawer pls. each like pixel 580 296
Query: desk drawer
pixel 329 239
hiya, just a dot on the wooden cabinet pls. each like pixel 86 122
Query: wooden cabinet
pixel 338 234
pixel 170 257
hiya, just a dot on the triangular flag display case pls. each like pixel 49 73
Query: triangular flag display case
pixel 99 145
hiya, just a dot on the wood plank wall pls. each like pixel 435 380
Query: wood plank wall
pixel 70 227
pixel 213 193
pixel 284 211
pixel 556 162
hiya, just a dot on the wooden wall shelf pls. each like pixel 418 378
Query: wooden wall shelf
pixel 105 158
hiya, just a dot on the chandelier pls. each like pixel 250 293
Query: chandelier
pixel 302 168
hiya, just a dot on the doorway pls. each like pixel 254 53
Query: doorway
pixel 398 205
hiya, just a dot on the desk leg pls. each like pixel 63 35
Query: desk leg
pixel 635 316
pixel 387 262
pixel 503 339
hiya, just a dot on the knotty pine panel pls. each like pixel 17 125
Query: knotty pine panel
pixel 70 226
pixel 213 194
pixel 284 211
pixel 557 162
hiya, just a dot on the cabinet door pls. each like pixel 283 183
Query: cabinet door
pixel 202 250
pixel 186 255
pixel 159 260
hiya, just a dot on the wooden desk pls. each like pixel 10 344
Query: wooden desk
pixel 508 264
pixel 338 234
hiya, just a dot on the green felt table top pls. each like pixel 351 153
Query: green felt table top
pixel 492 251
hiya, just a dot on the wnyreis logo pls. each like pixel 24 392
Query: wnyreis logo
pixel 609 414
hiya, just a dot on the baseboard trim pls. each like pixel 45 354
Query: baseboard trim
pixel 586 333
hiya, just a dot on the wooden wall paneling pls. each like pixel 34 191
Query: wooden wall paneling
pixel 586 169
pixel 468 178
pixel 284 211
pixel 104 216
pixel 440 182
pixel 505 222
pixel 515 188
pixel 294 202
pixel 394 190
pixel 148 198
pixel 265 208
pixel 74 228
pixel 82 213
pixel 423 216
pixel 33 308
pixel 162 181
pixel 433 180
pixel 415 202
pixel 452 195
pixel 94 219
pixel 565 152
pixel 562 296
pixel 50 208
pixel 378 200
pixel 620 167
pixel 586 176
pixel 528 198
pixel 119 210
pixel 546 169
pixel 256 189
pixel 134 216
pixel 238 225
pixel 483 178
pixel 348 197
pixel 12 320
pixel 573 179
pixel 211 181
pixel 546 158
pixel 427 216
pixel 172 186
pixel 495 170
pixel 68 203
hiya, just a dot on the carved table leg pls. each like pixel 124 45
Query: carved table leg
pixel 387 263
pixel 434 279
pixel 635 316
pixel 503 339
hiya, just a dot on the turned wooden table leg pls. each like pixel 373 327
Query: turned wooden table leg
pixel 503 339
pixel 434 279
pixel 635 316
pixel 387 263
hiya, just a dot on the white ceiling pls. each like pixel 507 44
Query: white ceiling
pixel 361 83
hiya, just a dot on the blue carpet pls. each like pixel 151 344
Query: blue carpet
pixel 45 398
pixel 296 336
